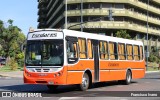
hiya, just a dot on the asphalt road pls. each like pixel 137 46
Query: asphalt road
pixel 148 87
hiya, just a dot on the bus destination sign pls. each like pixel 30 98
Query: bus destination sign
pixel 45 35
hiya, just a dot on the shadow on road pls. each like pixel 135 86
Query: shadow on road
pixel 60 90
pixel 111 83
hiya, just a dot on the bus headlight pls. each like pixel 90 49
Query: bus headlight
pixel 54 75
pixel 59 74
pixel 28 74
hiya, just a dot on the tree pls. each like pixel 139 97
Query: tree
pixel 11 39
pixel 10 21
pixel 122 34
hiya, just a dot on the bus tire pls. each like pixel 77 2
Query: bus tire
pixel 52 87
pixel 85 82
pixel 128 79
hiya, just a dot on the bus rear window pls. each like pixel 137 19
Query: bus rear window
pixel 129 52
pixel 113 51
pixel 141 53
pixel 103 50
pixel 136 52
pixel 82 48
pixel 121 51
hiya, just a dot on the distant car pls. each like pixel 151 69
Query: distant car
pixel 2 61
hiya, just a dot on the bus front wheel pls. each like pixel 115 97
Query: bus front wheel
pixel 85 82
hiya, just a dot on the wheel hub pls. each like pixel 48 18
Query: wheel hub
pixel 129 78
pixel 84 82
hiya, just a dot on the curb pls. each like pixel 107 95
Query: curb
pixel 152 71
pixel 12 75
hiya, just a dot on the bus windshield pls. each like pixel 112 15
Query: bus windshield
pixel 44 53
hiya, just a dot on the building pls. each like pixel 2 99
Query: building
pixel 130 15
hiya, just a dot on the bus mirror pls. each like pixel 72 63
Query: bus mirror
pixel 22 47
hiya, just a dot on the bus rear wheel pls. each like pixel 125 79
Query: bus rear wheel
pixel 128 79
pixel 52 87
pixel 85 82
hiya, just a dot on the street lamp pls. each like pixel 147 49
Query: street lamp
pixel 147 35
pixel 81 15
pixel 65 14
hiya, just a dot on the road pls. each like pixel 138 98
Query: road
pixel 148 85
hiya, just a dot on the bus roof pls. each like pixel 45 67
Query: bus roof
pixel 100 37
pixel 92 36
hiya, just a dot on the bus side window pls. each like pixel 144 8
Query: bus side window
pixel 82 48
pixel 113 50
pixel 121 51
pixel 103 49
pixel 141 53
pixel 136 52
pixel 72 53
pixel 129 52
pixel 90 51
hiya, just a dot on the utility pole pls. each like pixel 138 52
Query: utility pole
pixel 66 14
pixel 147 38
pixel 81 15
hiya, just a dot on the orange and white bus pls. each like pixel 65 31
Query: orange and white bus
pixel 65 57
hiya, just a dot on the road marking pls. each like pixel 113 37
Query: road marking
pixel 69 98
pixel 88 95
pixel 8 78
pixel 147 82
pixel 47 97
pixel 123 99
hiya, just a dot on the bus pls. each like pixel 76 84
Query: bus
pixel 57 57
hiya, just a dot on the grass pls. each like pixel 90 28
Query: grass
pixel 8 69
pixel 152 66
pixel 152 69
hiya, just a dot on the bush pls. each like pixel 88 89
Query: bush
pixel 20 59
pixel 20 62
pixel 13 64
pixel 154 58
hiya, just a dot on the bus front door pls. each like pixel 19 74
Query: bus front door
pixel 96 60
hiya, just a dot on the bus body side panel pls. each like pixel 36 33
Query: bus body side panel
pixel 109 70
pixel 138 73
pixel 116 70
pixel 75 72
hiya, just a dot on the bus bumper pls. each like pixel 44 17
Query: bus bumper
pixel 43 78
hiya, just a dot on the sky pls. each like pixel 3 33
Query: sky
pixel 23 12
